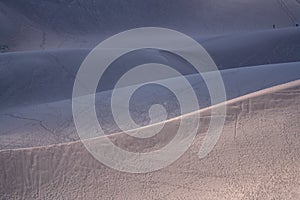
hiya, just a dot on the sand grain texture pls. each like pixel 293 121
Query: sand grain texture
pixel 257 157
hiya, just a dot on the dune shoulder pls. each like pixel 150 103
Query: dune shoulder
pixel 257 156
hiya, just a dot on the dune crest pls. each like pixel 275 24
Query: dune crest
pixel 256 157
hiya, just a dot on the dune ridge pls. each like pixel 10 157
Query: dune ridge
pixel 52 123
pixel 255 45
pixel 241 159
pixel 206 110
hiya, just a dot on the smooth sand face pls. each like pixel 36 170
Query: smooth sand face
pixel 257 157
pixel 76 24
pixel 37 77
pixel 52 123
pixel 258 154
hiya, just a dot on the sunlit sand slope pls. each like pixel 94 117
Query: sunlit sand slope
pixel 52 123
pixel 257 157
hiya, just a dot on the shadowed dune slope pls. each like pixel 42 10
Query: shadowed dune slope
pixel 255 48
pixel 51 24
pixel 254 43
pixel 50 75
pixel 257 157
pixel 52 123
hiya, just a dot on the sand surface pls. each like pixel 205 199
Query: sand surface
pixel 257 157
pixel 52 123
pixel 68 24
pixel 258 153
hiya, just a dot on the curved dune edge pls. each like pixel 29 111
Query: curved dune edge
pixel 52 123
pixel 257 157
pixel 201 111
pixel 237 168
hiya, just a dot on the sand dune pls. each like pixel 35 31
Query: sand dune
pixel 255 45
pixel 52 24
pixel 50 75
pixel 52 123
pixel 257 157
pixel 254 48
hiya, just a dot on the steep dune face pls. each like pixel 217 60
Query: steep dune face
pixel 38 77
pixel 255 45
pixel 257 157
pixel 255 48
pixel 50 75
pixel 19 31
pixel 8 25
pixel 90 15
pixel 40 123
pixel 69 23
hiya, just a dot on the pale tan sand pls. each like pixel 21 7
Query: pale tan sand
pixel 257 157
